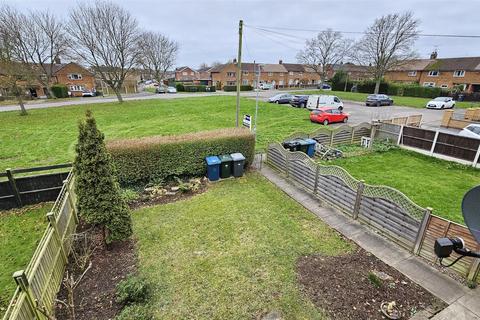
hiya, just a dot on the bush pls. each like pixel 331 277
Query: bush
pixel 234 88
pixel 135 312
pixel 148 159
pixel 180 87
pixel 133 289
pixel 212 88
pixel 99 199
pixel 60 91
pixel 198 88
pixel 369 86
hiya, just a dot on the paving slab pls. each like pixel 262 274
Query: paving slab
pixel 456 312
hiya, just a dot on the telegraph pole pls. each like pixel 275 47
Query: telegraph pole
pixel 256 100
pixel 239 67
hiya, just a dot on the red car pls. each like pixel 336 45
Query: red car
pixel 328 115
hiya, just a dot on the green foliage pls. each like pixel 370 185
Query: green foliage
pixel 147 159
pixel 180 87
pixel 129 195
pixel 338 81
pixel 234 88
pixel 99 199
pixel 60 91
pixel 383 146
pixel 134 289
pixel 135 312
pixel 195 88
pixel 212 88
pixel 368 86
pixel 374 280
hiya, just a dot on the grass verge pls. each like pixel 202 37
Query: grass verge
pixel 20 232
pixel 230 253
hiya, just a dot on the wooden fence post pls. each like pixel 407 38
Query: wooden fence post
pixel 358 199
pixel 22 281
pixel 331 138
pixel 474 269
pixel 477 156
pixel 51 218
pixel 399 140
pixel 13 186
pixel 70 200
pixel 432 149
pixel 317 174
pixel 421 230
pixel 353 135
pixel 287 171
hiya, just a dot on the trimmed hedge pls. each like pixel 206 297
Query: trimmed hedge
pixel 234 88
pixel 180 87
pixel 195 88
pixel 60 91
pixel 153 159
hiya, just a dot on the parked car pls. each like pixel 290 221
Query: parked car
pixel 161 89
pixel 281 98
pixel 265 86
pixel 328 115
pixel 471 131
pixel 318 101
pixel 378 100
pixel 88 93
pixel 171 90
pixel 325 87
pixel 299 101
pixel 441 103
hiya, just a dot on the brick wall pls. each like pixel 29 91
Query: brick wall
pixel 86 82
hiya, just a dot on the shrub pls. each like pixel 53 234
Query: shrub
pixel 212 88
pixel 234 88
pixel 134 289
pixel 180 87
pixel 99 199
pixel 135 312
pixel 148 159
pixel 374 280
pixel 198 88
pixel 60 91
pixel 368 86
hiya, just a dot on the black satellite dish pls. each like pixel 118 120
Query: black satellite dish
pixel 471 211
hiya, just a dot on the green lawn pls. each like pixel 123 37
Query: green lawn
pixel 48 136
pixel 20 232
pixel 427 181
pixel 398 101
pixel 230 253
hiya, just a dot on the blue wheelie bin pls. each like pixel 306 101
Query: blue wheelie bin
pixel 213 168
pixel 303 145
pixel 311 147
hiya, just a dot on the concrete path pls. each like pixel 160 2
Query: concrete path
pixel 463 303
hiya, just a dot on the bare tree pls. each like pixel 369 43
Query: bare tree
pixel 387 44
pixel 157 54
pixel 323 51
pixel 105 37
pixel 203 65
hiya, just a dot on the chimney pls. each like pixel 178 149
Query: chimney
pixel 280 61
pixel 57 60
pixel 434 55
pixel 234 60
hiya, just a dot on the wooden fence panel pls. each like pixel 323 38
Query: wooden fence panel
pixel 302 174
pixel 276 157
pixel 343 136
pixel 456 146
pixel 361 132
pixel 334 191
pixel 388 131
pixel 418 138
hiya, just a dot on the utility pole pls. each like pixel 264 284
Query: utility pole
pixel 256 100
pixel 239 67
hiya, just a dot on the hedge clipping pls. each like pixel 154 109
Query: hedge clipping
pixel 155 159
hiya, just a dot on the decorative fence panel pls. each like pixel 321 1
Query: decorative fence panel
pixel 383 208
pixel 38 284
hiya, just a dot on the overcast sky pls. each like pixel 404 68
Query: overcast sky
pixel 207 30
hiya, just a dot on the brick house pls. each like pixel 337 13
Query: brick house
pixel 354 72
pixel 446 73
pixel 185 74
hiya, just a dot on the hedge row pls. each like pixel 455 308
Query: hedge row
pixel 60 91
pixel 393 89
pixel 154 159
pixel 194 88
pixel 234 88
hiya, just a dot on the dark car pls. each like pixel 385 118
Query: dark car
pixel 281 98
pixel 378 100
pixel 299 101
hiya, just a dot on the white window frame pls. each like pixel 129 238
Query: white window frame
pixel 412 73
pixel 76 88
pixel 444 86
pixel 231 74
pixel 291 73
pixel 270 74
pixel 192 73
pixel 429 84
pixel 74 76
pixel 231 83
pixel 245 73
pixel 433 73
pixel 245 82
pixel 281 74
pixel 184 73
pixel 459 73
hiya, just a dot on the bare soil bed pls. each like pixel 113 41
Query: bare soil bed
pixel 95 295
pixel 351 287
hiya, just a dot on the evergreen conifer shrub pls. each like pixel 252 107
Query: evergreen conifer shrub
pixel 99 199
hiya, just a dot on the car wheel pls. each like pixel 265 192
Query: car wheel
pixel 302 105
pixel 277 102
pixel 345 120
pixel 443 107
pixel 325 122
pixel 378 104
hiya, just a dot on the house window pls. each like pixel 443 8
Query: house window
pixel 433 73
pixel 300 74
pixel 74 76
pixel 245 82
pixel 231 83
pixel 77 88
pixel 184 73
pixel 429 84
pixel 291 73
pixel 245 73
pixel 231 74
pixel 192 73
pixel 270 74
pixel 412 73
pixel 290 81
pixel 281 74
pixel 444 86
pixel 280 83
pixel 459 73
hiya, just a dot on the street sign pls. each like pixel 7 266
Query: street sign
pixel 247 121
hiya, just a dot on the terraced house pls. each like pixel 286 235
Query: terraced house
pixel 447 73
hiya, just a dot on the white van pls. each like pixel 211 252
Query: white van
pixel 318 101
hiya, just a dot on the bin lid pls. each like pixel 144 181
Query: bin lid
pixel 225 158
pixel 310 141
pixel 237 156
pixel 289 143
pixel 301 141
pixel 212 160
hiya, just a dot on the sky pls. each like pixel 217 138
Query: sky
pixel 207 30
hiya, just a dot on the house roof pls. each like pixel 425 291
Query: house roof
pixel 414 65
pixel 350 67
pixel 294 67
pixel 183 68
pixel 452 64
pixel 269 67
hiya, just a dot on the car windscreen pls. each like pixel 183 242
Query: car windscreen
pixel 372 96
pixel 317 111
pixel 440 99
pixel 474 129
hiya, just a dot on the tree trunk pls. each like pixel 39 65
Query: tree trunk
pixel 23 111
pixel 119 94
pixel 50 93
pixel 377 86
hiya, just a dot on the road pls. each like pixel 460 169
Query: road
pixel 358 111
